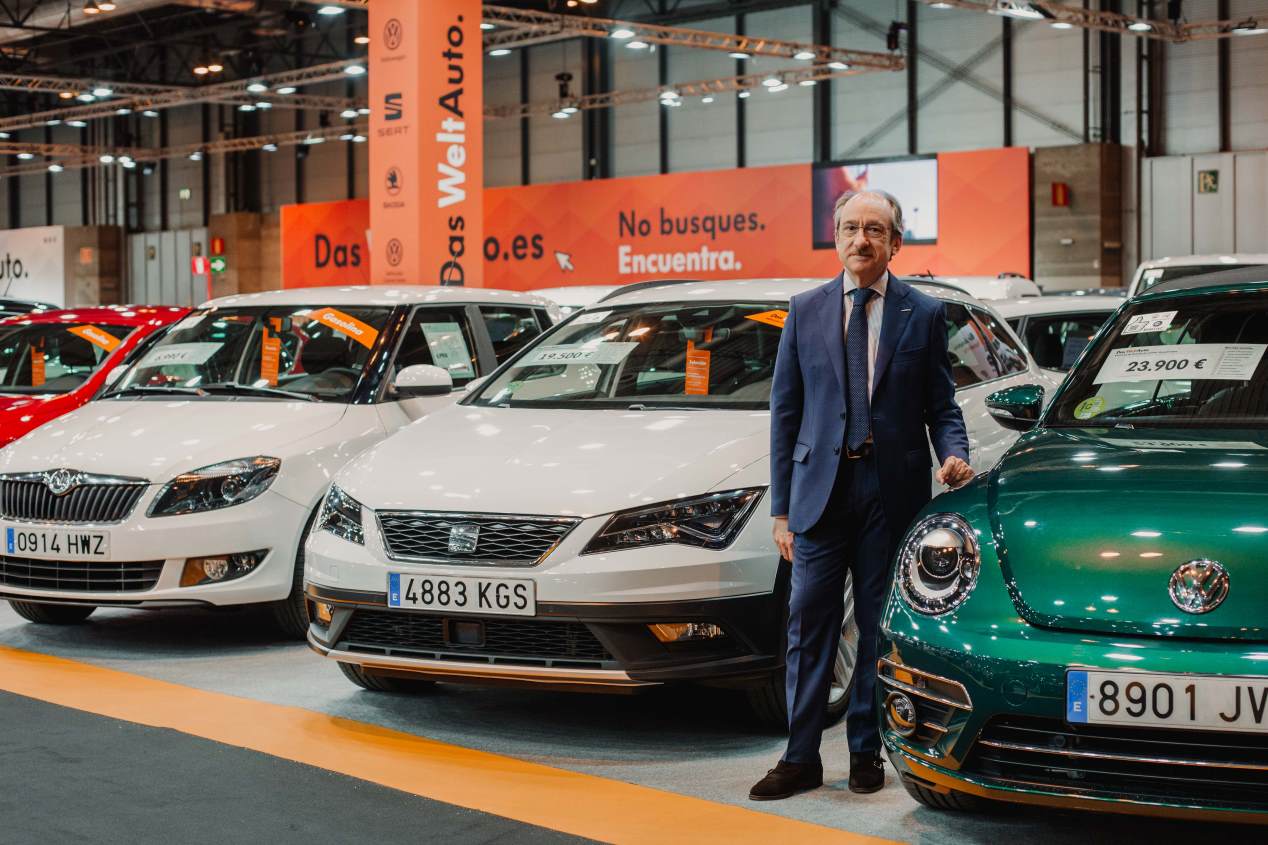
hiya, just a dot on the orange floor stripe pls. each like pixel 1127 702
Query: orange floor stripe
pixel 570 802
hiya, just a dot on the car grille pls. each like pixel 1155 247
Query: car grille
pixel 31 500
pixel 77 576
pixel 505 641
pixel 502 540
pixel 1224 769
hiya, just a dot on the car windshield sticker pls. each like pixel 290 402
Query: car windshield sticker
pixel 37 366
pixel 180 353
pixel 1089 408
pixel 1158 321
pixel 449 349
pixel 1190 361
pixel 593 352
pixel 189 322
pixel 771 318
pixel 97 337
pixel 346 324
pixel 590 317
pixel 270 357
pixel 697 381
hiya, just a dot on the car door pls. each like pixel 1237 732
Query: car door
pixel 440 335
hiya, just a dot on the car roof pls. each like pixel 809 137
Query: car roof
pixel 1024 306
pixel 118 315
pixel 379 295
pixel 1253 276
pixel 779 289
pixel 575 292
pixel 1212 259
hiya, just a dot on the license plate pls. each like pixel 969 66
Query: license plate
pixel 56 543
pixel 462 594
pixel 1150 699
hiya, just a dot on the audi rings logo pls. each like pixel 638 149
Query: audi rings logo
pixel 61 481
pixel 395 251
pixel 393 34
pixel 1199 586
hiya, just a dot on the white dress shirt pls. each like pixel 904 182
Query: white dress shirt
pixel 875 314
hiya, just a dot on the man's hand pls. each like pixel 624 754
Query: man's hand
pixel 954 472
pixel 783 537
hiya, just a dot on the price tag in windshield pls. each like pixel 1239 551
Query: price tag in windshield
pixel 1193 361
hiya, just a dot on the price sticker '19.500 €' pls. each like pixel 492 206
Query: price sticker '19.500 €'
pixel 1195 361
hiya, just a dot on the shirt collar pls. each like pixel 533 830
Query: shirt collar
pixel 849 283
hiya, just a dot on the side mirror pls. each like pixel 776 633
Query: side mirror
pixel 115 374
pixel 1016 407
pixel 422 380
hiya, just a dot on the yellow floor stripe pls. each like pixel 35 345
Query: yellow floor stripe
pixel 570 802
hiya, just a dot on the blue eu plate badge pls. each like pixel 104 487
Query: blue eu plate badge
pixel 394 589
pixel 8 539
pixel 1076 697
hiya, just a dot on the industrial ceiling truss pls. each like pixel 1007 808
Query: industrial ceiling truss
pixel 1067 16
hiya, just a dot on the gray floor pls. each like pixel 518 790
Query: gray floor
pixel 693 742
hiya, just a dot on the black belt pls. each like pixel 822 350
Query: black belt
pixel 863 451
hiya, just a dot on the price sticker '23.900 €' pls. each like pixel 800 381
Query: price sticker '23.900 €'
pixel 1197 361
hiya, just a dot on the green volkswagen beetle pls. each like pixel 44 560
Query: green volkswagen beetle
pixel 1086 625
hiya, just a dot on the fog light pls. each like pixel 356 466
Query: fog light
pixel 325 614
pixel 219 568
pixel 679 632
pixel 900 713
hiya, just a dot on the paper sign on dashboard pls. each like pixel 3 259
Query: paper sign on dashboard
pixel 270 357
pixel 37 367
pixel 180 353
pixel 1191 361
pixel 697 381
pixel 1158 321
pixel 590 317
pixel 449 349
pixel 587 353
pixel 346 324
pixel 97 337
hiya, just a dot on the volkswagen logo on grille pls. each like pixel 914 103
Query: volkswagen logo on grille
pixel 463 539
pixel 61 481
pixel 1198 586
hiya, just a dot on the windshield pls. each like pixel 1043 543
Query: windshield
pixel 1157 275
pixel 55 358
pixel 678 355
pixel 309 352
pixel 1193 361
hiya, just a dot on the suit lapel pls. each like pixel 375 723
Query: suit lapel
pixel 893 324
pixel 832 329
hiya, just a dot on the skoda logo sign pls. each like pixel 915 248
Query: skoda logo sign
pixel 60 481
pixel 1198 586
pixel 463 539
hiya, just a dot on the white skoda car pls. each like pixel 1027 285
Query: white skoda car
pixel 595 515
pixel 194 479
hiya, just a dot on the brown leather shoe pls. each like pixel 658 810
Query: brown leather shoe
pixel 867 774
pixel 786 780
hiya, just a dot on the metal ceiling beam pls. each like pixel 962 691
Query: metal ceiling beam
pixel 1105 21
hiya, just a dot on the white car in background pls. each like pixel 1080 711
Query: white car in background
pixel 1156 270
pixel 1003 286
pixel 194 479
pixel 1056 329
pixel 595 515
pixel 576 297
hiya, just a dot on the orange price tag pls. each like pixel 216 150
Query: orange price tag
pixel 97 337
pixel 270 355
pixel 697 382
pixel 346 324
pixel 37 367
pixel 770 318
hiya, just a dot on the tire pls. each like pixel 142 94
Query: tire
pixel 52 614
pixel 769 702
pixel 373 681
pixel 953 801
pixel 290 615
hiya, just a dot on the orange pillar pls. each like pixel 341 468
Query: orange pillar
pixel 426 143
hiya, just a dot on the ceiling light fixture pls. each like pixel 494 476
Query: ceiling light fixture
pixel 706 100
pixel 354 70
pixel 1015 9
pixel 939 5
pixel 775 89
pixel 805 55
pixel 738 55
pixel 196 156
pixel 26 156
pixel 772 81
pixel 264 105
pixel 621 34
pixel 486 26
pixel 215 67
pixel 150 113
pixel 246 107
pixel 500 51
pixel 123 110
pixel 257 87
pixel 744 95
pixel 348 114
pixel 201 70
pixel 106 5
pixel 85 98
pixel 363 110
pixel 358 139
pixel 1250 26
pixel 91 8
pixel 53 121
pixel 286 89
pixel 838 66
pixel 55 168
pixel 106 159
pixel 806 83
pixel 67 95
pixel 1062 25
pixel 314 139
pixel 102 91
pixel 561 115
pixel 269 148
pixel 78 124
pixel 1140 26
pixel 362 40
pixel 331 11
pixel 637 45
pixel 347 136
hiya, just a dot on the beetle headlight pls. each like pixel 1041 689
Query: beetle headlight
pixel 938 563
pixel 710 522
pixel 216 486
pixel 341 516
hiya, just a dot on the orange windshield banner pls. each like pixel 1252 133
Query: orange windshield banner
pixel 771 318
pixel 346 324
pixel 37 366
pixel 97 337
pixel 270 357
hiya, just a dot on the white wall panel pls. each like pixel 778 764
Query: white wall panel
pixel 861 104
pixel 1251 202
pixel 779 127
pixel 1191 83
pixel 635 127
pixel 1248 78
pixel 502 137
pixel 555 144
pixel 1171 207
pixel 702 135
pixel 960 117
pixel 1213 226
pixel 1048 77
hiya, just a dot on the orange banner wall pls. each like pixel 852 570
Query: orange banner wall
pixel 324 243
pixel 722 224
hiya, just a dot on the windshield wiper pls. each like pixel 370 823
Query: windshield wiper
pixel 252 390
pixel 639 406
pixel 155 388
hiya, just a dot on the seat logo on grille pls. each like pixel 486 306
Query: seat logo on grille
pixel 463 539
pixel 1199 586
pixel 61 481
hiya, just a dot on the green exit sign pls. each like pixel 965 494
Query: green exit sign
pixel 219 264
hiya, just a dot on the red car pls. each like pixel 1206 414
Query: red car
pixel 52 362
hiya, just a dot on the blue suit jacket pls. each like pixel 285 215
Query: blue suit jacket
pixel 913 392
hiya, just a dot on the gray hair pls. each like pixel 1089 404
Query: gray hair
pixel 895 208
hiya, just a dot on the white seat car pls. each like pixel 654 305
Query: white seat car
pixel 1056 329
pixel 595 515
pixel 575 297
pixel 1155 270
pixel 194 479
pixel 1003 286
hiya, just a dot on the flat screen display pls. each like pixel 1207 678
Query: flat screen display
pixel 913 181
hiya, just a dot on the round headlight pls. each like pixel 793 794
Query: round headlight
pixel 938 563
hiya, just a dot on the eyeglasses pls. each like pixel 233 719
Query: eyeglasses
pixel 873 231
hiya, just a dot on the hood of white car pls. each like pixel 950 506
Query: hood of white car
pixel 556 462
pixel 158 440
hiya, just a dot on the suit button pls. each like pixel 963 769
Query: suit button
pixel 836 450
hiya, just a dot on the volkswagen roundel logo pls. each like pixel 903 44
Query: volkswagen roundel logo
pixel 463 539
pixel 61 481
pixel 1198 586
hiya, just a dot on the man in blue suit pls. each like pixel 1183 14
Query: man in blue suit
pixel 862 386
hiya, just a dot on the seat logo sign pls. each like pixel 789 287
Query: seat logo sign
pixel 392 107
pixel 61 481
pixel 463 539
pixel 1198 586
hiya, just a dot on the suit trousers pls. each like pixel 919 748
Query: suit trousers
pixel 850 538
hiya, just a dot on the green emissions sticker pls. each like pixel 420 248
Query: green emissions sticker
pixel 1089 408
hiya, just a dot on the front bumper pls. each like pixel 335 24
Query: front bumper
pixel 990 702
pixel 160 546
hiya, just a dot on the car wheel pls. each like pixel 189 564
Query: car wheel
pixel 377 682
pixel 290 615
pixel 52 614
pixel 934 800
